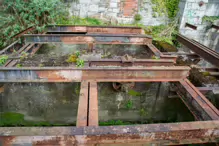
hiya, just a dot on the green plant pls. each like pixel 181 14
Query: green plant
pixel 129 104
pixel 210 19
pixel 155 57
pixel 24 55
pixel 206 73
pixel 72 58
pixel 172 8
pixel 134 93
pixel 18 15
pixel 137 17
pixel 19 65
pixel 77 53
pixel 80 63
pixel 142 112
pixel 41 65
pixel 3 59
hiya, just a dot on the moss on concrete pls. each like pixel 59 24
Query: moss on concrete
pixel 114 122
pixel 134 93
pixel 10 119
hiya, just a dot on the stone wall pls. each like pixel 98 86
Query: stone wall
pixel 121 11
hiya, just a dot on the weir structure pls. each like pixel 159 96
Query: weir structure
pixel 126 69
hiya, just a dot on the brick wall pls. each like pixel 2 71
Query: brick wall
pixel 129 8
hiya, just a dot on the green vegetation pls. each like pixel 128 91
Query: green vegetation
pixel 72 58
pixel 159 7
pixel 134 93
pixel 3 59
pixel 114 122
pixel 79 21
pixel 142 112
pixel 164 33
pixel 17 119
pixel 172 8
pixel 155 57
pixel 210 19
pixel 137 17
pixel 80 63
pixel 129 104
pixel 19 65
pixel 206 73
pixel 165 7
pixel 77 53
pixel 18 15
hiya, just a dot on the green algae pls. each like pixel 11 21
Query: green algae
pixel 10 119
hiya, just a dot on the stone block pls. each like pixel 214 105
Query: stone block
pixel 94 8
pixel 113 5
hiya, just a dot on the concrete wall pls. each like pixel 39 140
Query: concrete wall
pixel 121 11
pixel 191 12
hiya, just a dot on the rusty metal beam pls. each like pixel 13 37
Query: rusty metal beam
pixel 99 74
pixel 159 54
pixel 88 38
pixel 166 134
pixel 93 105
pixel 198 104
pixel 10 48
pixel 215 26
pixel 191 26
pixel 207 88
pixel 28 48
pixel 94 29
pixel 23 32
pixel 135 62
pixel 82 117
pixel 203 51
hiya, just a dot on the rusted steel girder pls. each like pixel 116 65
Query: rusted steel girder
pixel 134 62
pixel 165 134
pixel 88 38
pixel 9 49
pixel 203 51
pixel 23 32
pixel 82 117
pixel 94 29
pixel 99 74
pixel 159 54
pixel 93 119
pixel 28 48
pixel 198 104
pixel 191 26
pixel 215 26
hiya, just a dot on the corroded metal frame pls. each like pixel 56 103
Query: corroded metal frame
pixel 87 131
